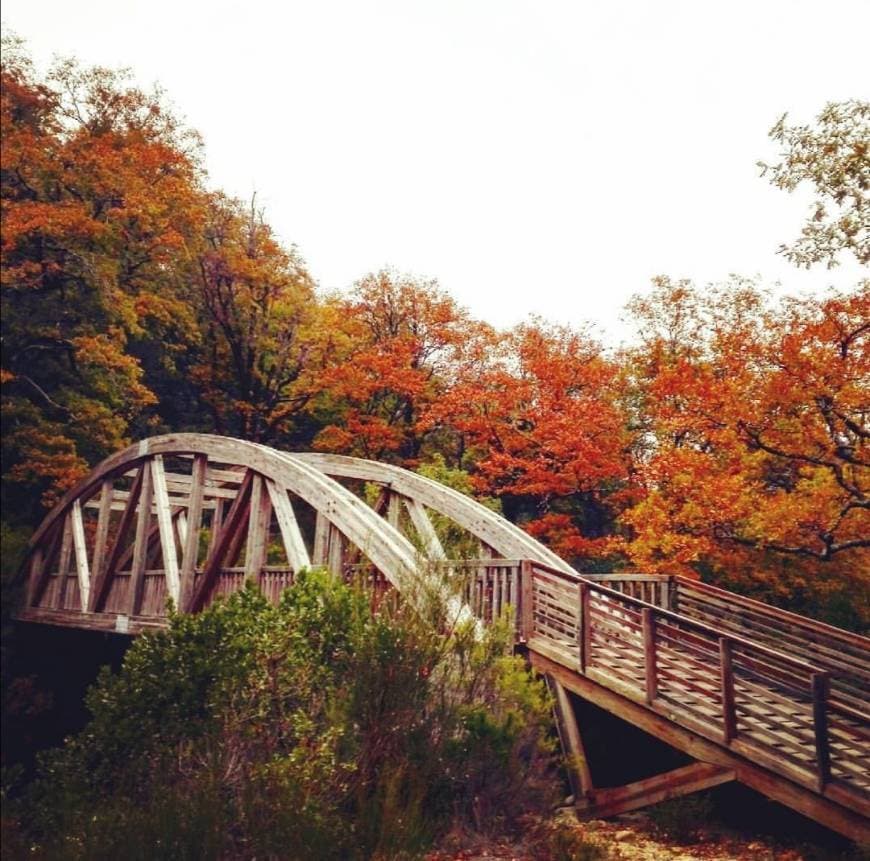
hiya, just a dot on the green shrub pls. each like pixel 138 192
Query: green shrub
pixel 313 729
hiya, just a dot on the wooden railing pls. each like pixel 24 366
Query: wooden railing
pixel 774 707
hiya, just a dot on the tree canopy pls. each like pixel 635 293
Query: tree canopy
pixel 728 441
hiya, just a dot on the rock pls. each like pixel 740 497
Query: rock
pixel 623 836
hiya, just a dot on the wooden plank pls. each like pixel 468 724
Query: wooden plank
pixel 190 549
pixel 294 544
pixel 103 578
pixel 81 554
pixel 140 543
pixel 425 529
pixel 230 529
pixel 649 654
pixel 652 790
pixel 259 520
pixel 164 523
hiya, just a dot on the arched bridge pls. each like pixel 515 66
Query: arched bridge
pixel 750 692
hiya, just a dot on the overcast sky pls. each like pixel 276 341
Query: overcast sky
pixel 535 157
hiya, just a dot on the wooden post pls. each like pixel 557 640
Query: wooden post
pixel 321 541
pixel 259 521
pixel 527 627
pixel 164 523
pixel 673 594
pixel 820 685
pixel 394 509
pixel 572 742
pixel 335 551
pixel 726 680
pixel 649 653
pixel 191 539
pixel 583 633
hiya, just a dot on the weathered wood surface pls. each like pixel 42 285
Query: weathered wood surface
pixel 188 518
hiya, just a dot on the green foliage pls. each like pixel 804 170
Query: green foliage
pixel 833 156
pixel 312 729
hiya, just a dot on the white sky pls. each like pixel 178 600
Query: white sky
pixel 534 157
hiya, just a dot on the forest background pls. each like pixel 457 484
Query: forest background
pixel 728 442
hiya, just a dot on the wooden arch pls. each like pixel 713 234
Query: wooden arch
pixel 497 535
pixel 192 516
pixel 170 517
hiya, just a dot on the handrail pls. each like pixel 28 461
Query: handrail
pixel 685 620
pixel 776 612
pixel 811 682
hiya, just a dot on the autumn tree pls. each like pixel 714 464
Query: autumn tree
pixel 99 196
pixel 755 443
pixel 258 313
pixel 396 342
pixel 543 431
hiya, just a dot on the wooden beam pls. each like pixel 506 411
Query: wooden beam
pixel 164 523
pixel 726 681
pixel 584 627
pixel 507 539
pixel 527 595
pixel 224 544
pixel 140 543
pixel 216 522
pixel 41 558
pixel 294 544
pixel 102 536
pixel 572 742
pixel 648 622
pixel 394 509
pixel 259 520
pixel 63 561
pixel 652 790
pixel 335 551
pixel 321 540
pixel 107 570
pixel 81 552
pixel 190 550
pixel 426 532
pixel 820 685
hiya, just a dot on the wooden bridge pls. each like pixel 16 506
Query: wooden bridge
pixel 750 692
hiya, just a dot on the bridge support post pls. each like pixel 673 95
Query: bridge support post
pixel 573 750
